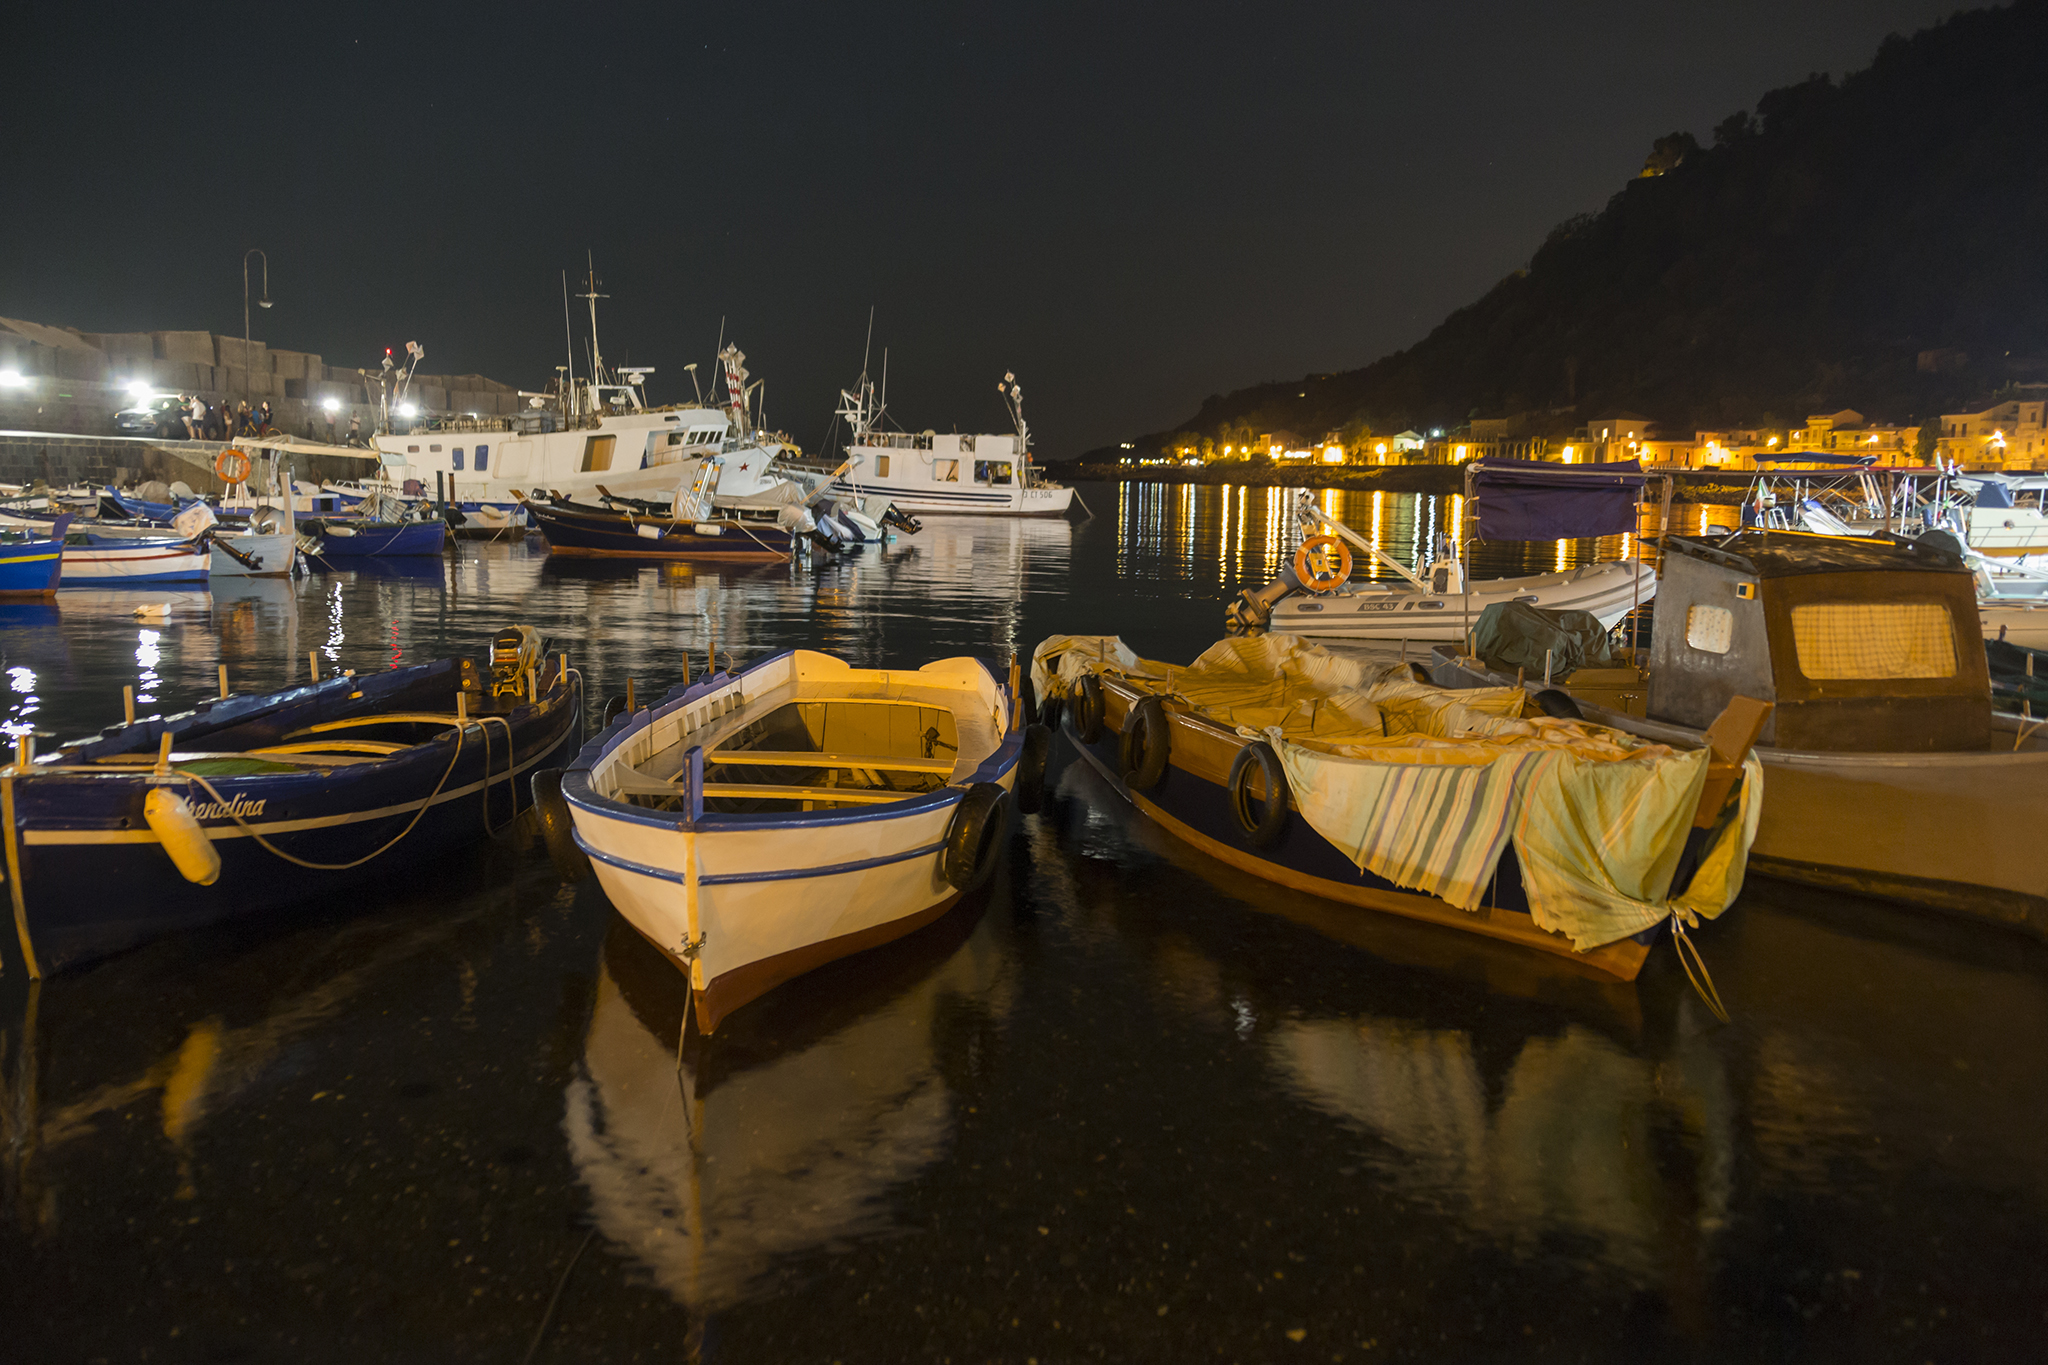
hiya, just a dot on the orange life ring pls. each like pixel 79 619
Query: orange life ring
pixel 1323 563
pixel 232 465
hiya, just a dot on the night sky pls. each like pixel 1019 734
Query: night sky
pixel 1132 207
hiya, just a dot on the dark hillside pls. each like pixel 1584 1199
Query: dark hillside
pixel 1803 259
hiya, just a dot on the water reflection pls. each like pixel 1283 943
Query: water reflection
pixel 785 1133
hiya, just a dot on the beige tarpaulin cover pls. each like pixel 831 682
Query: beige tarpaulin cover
pixel 1425 786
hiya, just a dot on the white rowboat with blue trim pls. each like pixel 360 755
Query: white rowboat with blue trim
pixel 759 824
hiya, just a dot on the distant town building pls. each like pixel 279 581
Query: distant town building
pixel 2007 435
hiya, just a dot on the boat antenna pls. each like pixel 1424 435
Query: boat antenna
pixel 569 344
pixel 692 368
pixel 868 347
pixel 596 355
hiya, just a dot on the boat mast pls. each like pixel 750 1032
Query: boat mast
pixel 1013 394
pixel 596 355
pixel 733 360
pixel 569 345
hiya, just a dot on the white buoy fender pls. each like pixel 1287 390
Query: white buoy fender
pixel 647 532
pixel 184 838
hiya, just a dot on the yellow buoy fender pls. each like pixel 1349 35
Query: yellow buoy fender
pixel 184 838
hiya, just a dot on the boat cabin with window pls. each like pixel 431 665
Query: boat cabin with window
pixel 1862 644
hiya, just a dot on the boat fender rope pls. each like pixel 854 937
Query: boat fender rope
pixel 296 861
pixel 1265 831
pixel 1145 745
pixel 1702 981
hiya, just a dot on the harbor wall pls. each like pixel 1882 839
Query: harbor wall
pixel 64 380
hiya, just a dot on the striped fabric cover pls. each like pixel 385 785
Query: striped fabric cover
pixel 1438 829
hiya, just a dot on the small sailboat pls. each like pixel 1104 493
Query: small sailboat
pixel 252 803
pixel 756 825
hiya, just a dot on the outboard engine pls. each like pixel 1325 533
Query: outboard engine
pixel 1253 609
pixel 903 522
pixel 834 533
pixel 514 650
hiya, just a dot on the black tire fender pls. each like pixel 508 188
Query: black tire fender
pixel 1050 714
pixel 1029 784
pixel 1264 830
pixel 1555 702
pixel 1027 698
pixel 1088 709
pixel 975 837
pixel 557 829
pixel 1143 749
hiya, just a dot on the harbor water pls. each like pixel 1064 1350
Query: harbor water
pixel 1128 1104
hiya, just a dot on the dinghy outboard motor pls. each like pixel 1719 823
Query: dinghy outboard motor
pixel 1253 609
pixel 832 524
pixel 514 650
pixel 909 525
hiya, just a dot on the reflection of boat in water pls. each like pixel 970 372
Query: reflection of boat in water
pixel 794 1123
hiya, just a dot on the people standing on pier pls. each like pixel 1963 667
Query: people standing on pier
pixel 195 417
pixel 242 427
pixel 355 430
pixel 263 427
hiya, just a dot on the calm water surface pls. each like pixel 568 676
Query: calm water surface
pixel 1129 1104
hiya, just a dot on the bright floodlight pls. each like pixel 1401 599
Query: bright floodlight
pixel 138 387
pixel 12 379
pixel 407 410
pixel 331 404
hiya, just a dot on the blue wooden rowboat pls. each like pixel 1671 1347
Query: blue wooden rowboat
pixel 31 563
pixel 760 824
pixel 283 797
pixel 340 539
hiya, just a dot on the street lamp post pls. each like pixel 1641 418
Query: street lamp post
pixel 263 302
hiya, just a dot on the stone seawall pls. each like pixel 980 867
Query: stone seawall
pixel 60 460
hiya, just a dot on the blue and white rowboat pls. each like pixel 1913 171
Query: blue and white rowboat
pixel 281 797
pixel 109 562
pixel 760 824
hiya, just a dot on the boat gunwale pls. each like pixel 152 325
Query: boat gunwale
pixel 580 792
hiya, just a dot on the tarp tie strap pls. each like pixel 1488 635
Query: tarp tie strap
pixel 1702 980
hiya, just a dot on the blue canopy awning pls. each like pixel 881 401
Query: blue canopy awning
pixel 1543 500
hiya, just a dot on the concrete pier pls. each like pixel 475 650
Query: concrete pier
pixel 60 459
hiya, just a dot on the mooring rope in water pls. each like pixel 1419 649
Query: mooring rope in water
pixel 1702 981
pixel 556 1297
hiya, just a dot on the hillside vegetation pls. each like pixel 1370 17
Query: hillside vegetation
pixel 1879 243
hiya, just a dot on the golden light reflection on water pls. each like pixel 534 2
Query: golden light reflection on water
pixel 1207 536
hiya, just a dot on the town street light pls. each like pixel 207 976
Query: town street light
pixel 263 302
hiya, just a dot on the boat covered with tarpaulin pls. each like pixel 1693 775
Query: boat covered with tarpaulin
pixel 1354 781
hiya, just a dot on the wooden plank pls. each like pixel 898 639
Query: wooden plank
pixel 1729 740
pixel 771 758
pixel 763 792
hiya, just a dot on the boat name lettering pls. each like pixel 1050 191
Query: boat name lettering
pixel 217 810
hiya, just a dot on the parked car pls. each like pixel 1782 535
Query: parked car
pixel 160 414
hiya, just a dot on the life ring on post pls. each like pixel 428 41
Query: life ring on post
pixel 1323 563
pixel 976 836
pixel 232 465
pixel 1264 829
pixel 1087 711
pixel 1143 749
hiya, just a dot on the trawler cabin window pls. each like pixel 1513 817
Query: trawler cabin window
pixel 1709 628
pixel 597 452
pixel 1869 640
pixel 881 466
pixel 455 458
pixel 991 471
pixel 483 457
pixel 946 471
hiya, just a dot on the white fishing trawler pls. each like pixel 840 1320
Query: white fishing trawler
pixel 926 472
pixel 592 430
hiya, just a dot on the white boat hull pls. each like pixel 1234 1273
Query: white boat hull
pixel 1399 612
pixel 743 903
pixel 272 553
pixel 139 563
